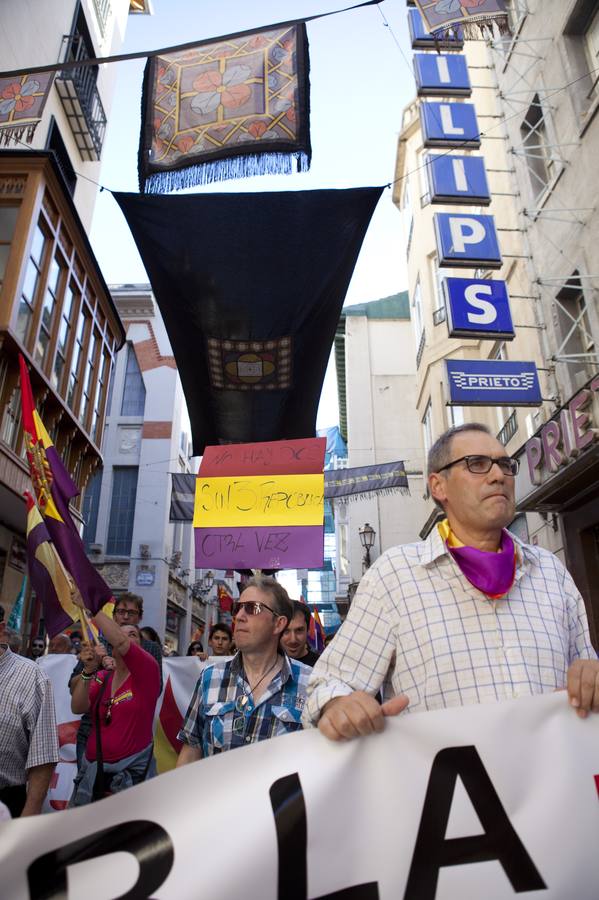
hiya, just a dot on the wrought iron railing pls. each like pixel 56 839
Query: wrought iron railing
pixel 509 429
pixel 79 94
pixel 420 348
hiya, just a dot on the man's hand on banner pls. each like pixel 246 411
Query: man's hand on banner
pixel 357 714
pixel 583 686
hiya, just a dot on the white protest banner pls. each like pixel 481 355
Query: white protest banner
pixel 179 675
pixel 476 802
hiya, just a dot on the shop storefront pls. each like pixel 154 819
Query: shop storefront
pixel 559 476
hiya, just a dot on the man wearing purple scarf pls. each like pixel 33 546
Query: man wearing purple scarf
pixel 470 615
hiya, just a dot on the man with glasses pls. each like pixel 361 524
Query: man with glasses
pixel 38 646
pixel 469 615
pixel 258 694
pixel 128 610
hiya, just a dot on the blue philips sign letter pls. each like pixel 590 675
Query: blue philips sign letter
pixel 492 382
pixel 444 74
pixel 423 39
pixel 458 179
pixel 467 241
pixel 478 309
pixel 449 125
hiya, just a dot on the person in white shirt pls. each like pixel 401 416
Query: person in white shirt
pixel 469 615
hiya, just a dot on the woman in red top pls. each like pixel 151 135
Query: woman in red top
pixel 121 703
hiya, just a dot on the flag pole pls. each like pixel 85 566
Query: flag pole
pixel 83 617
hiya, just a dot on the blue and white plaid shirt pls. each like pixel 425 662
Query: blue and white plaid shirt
pixel 218 720
pixel 417 626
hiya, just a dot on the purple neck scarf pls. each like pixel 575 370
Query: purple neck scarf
pixel 491 573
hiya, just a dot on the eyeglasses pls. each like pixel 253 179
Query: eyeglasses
pixel 480 465
pixel 126 612
pixel 37 646
pixel 251 607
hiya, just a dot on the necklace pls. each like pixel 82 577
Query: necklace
pixel 245 699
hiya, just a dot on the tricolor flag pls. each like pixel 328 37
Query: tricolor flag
pixel 53 488
pixel 315 631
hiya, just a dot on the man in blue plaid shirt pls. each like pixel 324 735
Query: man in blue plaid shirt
pixel 258 694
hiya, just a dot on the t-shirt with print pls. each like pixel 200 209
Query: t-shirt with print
pixel 130 710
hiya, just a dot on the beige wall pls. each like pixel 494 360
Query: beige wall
pixel 383 426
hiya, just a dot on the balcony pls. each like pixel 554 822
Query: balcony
pixel 81 100
pixel 509 429
pixel 439 315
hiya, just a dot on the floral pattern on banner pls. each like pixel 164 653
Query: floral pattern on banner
pixel 245 95
pixel 22 101
pixel 442 15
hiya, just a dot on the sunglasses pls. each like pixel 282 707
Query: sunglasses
pixel 251 608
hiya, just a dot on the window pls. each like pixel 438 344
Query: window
pixel 8 221
pixel 61 155
pixel 70 304
pixel 50 303
pixel 539 148
pixel 89 509
pixel 581 46
pixel 122 511
pixel 436 276
pixel 76 362
pixel 134 391
pixel 30 284
pixel 456 416
pixel 427 428
pixel 577 347
pixel 407 215
pixel 89 382
pixel 418 316
pixel 423 165
pixel 100 387
pixel 11 426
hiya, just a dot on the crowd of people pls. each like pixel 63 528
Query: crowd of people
pixel 470 615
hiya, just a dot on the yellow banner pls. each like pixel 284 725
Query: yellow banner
pixel 258 500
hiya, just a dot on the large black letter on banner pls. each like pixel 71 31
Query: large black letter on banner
pixel 149 843
pixel 500 841
pixel 289 808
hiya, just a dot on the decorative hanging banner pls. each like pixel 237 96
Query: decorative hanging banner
pixel 476 801
pixel 261 506
pixel 474 17
pixel 250 287
pixel 22 102
pixel 226 109
pixel 351 484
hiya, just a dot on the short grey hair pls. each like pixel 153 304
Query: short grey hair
pixel 440 453
pixel 277 593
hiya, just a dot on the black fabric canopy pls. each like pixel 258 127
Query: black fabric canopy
pixel 250 287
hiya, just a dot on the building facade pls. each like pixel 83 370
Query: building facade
pixel 376 369
pixel 548 76
pixel 126 504
pixel 55 307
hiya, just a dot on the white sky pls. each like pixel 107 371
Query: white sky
pixel 359 85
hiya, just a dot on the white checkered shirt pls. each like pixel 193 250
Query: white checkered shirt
pixel 417 626
pixel 28 733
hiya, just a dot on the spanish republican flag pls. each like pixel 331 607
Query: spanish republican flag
pixel 53 488
pixel 316 631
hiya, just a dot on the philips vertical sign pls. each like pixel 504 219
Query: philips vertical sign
pixel 477 308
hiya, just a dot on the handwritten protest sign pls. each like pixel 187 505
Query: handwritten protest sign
pixel 261 505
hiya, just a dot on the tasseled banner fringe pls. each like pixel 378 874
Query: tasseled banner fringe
pixel 10 134
pixel 224 169
pixel 370 495
pixel 475 28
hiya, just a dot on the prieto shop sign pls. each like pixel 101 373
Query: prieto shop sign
pixel 566 436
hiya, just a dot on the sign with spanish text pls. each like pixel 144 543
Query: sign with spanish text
pixel 261 506
pixel 478 309
pixel 495 800
pixel 492 382
pixel 458 179
pixel 467 241
pixel 441 74
pixel 449 125
pixel 422 39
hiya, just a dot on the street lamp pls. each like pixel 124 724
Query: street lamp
pixel 203 586
pixel 367 536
